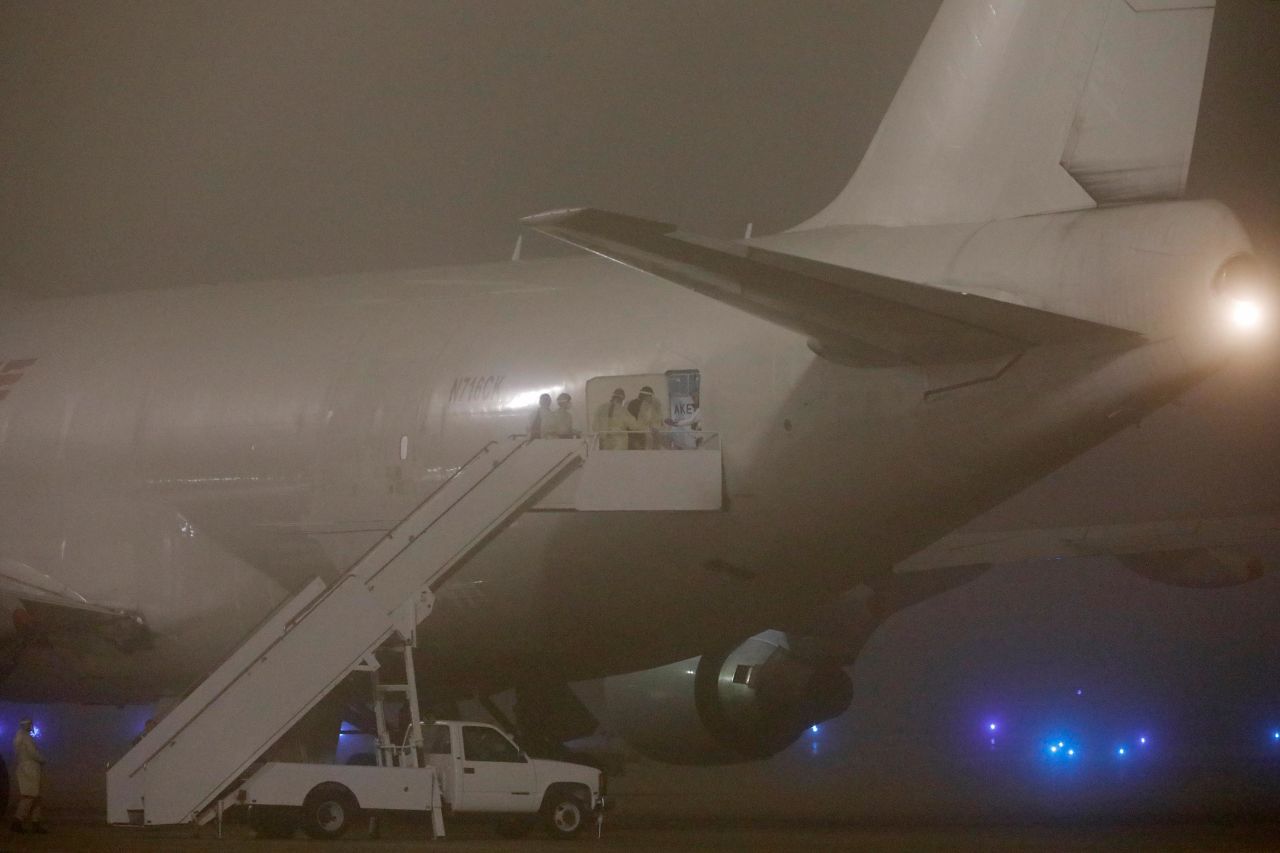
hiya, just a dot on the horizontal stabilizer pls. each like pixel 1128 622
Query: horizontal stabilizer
pixel 851 317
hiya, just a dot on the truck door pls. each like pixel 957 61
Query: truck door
pixel 496 777
pixel 438 747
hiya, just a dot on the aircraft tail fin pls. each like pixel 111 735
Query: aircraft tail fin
pixel 1019 107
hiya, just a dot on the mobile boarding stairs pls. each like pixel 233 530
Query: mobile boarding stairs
pixel 208 744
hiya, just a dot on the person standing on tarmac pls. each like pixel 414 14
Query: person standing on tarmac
pixel 538 423
pixel 559 424
pixel 30 767
pixel 611 422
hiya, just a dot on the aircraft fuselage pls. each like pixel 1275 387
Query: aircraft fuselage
pixel 191 455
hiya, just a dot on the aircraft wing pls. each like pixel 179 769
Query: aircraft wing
pixel 851 317
pixel 21 581
pixel 1192 553
pixel 47 607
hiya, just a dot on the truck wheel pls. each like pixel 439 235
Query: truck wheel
pixel 273 821
pixel 564 815
pixel 329 811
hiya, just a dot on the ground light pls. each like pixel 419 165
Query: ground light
pixel 814 742
pixel 1062 750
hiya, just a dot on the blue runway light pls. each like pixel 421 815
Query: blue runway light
pixel 813 729
pixel 1120 751
pixel 1063 750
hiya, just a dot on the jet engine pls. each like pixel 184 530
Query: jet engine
pixel 747 703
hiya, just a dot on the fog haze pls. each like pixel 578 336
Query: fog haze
pixel 159 144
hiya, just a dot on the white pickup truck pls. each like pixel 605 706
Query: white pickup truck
pixel 471 768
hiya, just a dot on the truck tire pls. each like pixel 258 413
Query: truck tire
pixel 329 811
pixel 273 821
pixel 564 814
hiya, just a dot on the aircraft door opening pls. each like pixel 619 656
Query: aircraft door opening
pixel 649 412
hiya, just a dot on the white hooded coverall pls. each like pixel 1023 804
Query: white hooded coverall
pixel 30 763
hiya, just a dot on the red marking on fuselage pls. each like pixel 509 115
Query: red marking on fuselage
pixel 11 372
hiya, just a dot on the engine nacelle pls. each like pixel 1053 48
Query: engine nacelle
pixel 748 703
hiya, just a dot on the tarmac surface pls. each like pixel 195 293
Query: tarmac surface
pixel 404 834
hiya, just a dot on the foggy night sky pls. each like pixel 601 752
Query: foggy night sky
pixel 152 144
pixel 158 144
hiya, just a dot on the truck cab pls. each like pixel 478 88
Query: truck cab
pixel 482 770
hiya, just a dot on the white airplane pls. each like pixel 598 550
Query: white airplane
pixel 1007 280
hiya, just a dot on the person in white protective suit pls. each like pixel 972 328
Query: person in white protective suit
pixel 611 422
pixel 646 420
pixel 30 769
pixel 537 423
pixel 684 431
pixel 559 423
